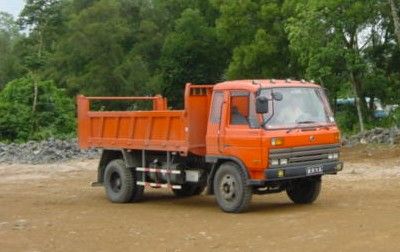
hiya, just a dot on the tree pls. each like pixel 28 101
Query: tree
pixel 8 24
pixel 54 115
pixel 328 35
pixel 43 18
pixel 256 60
pixel 237 22
pixel 396 20
pixel 9 67
pixel 254 39
pixel 265 52
pixel 98 39
pixel 190 54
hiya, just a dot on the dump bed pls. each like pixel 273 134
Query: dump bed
pixel 159 129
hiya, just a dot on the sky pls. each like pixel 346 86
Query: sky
pixel 13 7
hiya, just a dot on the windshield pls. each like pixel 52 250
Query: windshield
pixel 298 106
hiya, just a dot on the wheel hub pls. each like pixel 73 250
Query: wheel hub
pixel 115 182
pixel 228 187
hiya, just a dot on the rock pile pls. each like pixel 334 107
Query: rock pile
pixel 377 135
pixel 48 151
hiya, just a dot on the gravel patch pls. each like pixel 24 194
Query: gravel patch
pixel 48 151
pixel 374 136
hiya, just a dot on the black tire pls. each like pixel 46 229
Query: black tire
pixel 120 183
pixel 230 189
pixel 188 190
pixel 304 191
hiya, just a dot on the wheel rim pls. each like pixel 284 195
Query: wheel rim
pixel 228 187
pixel 115 182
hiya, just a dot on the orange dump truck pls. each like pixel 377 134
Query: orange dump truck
pixel 237 138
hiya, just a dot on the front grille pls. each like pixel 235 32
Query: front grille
pixel 304 155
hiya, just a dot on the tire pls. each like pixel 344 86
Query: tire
pixel 188 190
pixel 230 189
pixel 304 191
pixel 120 183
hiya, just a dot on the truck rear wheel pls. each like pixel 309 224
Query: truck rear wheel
pixel 231 191
pixel 304 191
pixel 120 183
pixel 188 190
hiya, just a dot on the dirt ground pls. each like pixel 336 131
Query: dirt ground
pixel 53 208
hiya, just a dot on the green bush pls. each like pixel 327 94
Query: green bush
pixel 53 115
pixel 393 119
pixel 395 115
pixel 346 119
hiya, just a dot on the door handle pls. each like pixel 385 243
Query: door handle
pixel 227 145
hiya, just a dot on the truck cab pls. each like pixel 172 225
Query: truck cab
pixel 235 138
pixel 280 132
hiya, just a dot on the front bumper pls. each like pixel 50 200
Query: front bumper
pixel 298 171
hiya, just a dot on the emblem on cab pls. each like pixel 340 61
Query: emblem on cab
pixel 312 138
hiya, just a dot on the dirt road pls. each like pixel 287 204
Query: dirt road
pixel 53 208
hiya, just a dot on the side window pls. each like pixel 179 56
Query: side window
pixel 218 99
pixel 239 108
pixel 242 109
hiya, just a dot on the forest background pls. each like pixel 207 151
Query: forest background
pixel 56 49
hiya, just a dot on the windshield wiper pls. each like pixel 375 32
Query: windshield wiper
pixel 298 123
pixel 313 122
pixel 306 122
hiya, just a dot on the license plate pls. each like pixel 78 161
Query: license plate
pixel 314 170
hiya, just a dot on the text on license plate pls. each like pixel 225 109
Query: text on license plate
pixel 314 170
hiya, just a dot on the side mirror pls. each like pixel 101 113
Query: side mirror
pixel 261 104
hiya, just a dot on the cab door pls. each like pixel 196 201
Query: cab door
pixel 241 131
pixel 214 128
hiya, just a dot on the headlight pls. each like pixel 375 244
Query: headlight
pixel 283 161
pixel 274 162
pixel 333 155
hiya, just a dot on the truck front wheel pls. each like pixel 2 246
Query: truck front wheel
pixel 231 191
pixel 304 191
pixel 120 183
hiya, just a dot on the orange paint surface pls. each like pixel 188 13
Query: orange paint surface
pixel 159 129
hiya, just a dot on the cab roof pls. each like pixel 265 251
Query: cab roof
pixel 254 85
